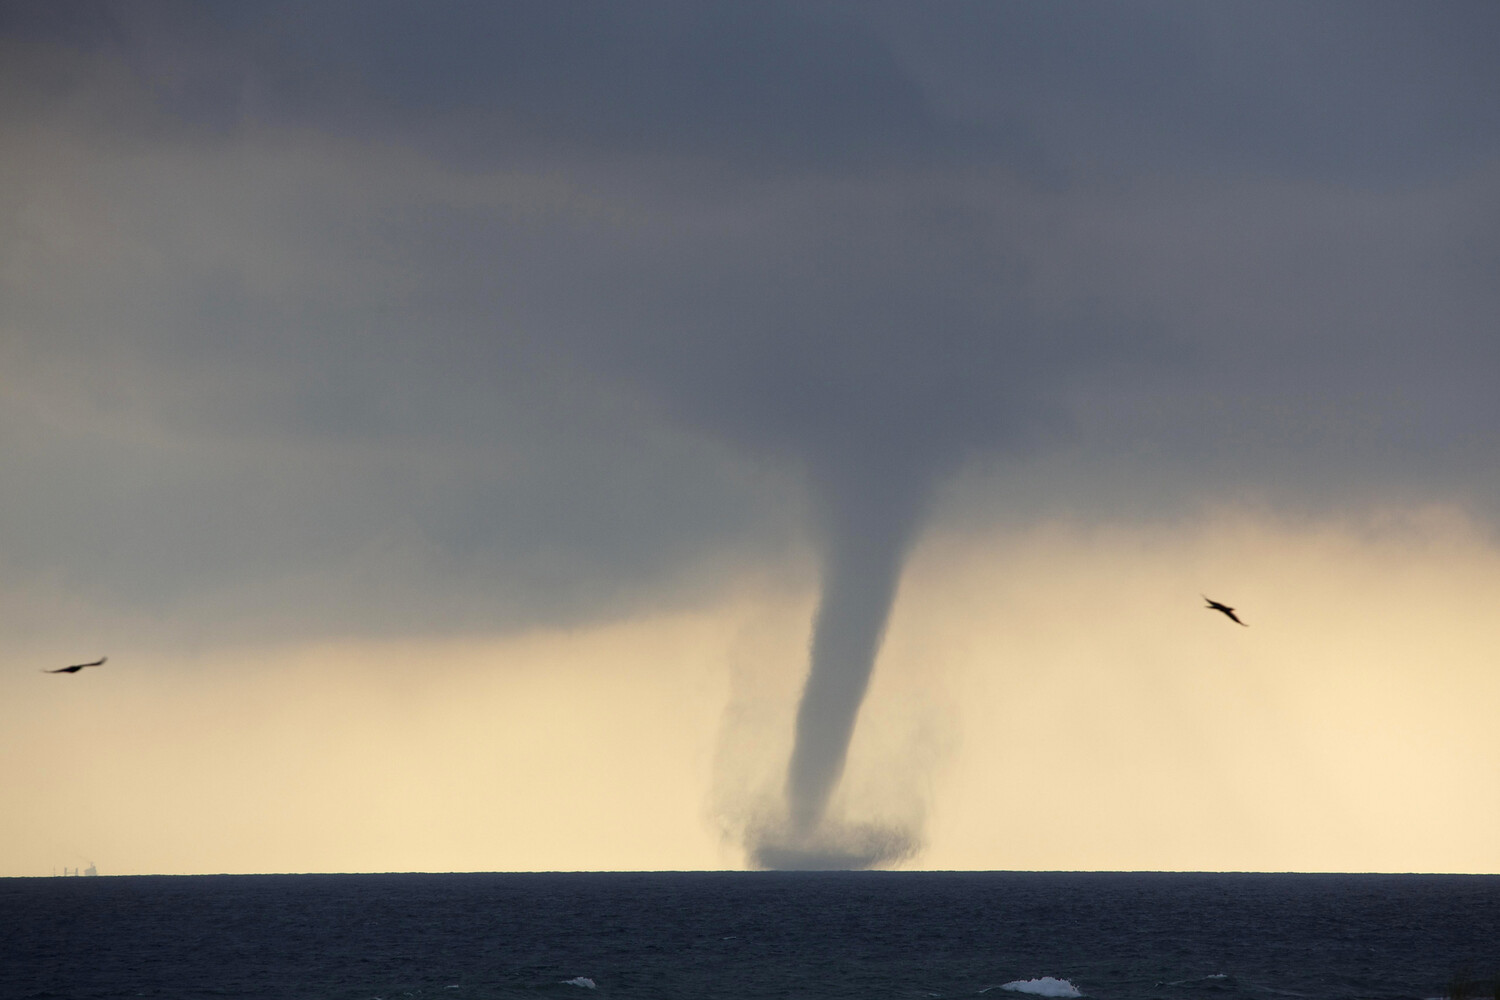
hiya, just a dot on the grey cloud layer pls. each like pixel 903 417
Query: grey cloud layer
pixel 497 313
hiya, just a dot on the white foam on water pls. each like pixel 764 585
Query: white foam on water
pixel 1047 986
pixel 583 981
pixel 1196 979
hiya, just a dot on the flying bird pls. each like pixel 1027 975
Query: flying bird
pixel 76 667
pixel 1228 611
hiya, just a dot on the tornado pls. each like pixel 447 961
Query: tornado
pixel 860 575
pixel 867 534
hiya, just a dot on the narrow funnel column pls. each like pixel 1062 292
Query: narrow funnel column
pixel 866 549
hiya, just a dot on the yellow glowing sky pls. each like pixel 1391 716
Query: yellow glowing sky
pixel 1050 697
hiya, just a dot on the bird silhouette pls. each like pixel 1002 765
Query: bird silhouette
pixel 76 667
pixel 1214 605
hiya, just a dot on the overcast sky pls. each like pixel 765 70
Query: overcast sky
pixel 526 356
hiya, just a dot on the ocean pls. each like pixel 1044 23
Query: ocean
pixel 735 935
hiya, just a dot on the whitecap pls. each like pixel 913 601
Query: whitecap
pixel 1046 986
pixel 583 981
pixel 1198 979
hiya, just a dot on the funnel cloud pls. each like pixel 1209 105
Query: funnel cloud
pixel 870 523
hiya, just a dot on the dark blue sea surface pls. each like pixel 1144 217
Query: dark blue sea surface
pixel 917 935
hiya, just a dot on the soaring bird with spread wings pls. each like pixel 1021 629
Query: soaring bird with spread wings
pixel 1214 605
pixel 76 667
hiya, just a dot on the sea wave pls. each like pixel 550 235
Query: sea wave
pixel 1043 987
pixel 1046 986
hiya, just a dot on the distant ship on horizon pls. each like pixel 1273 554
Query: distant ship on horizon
pixel 90 870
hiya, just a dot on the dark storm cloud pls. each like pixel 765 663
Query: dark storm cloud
pixel 553 301
pixel 490 83
pixel 1385 91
